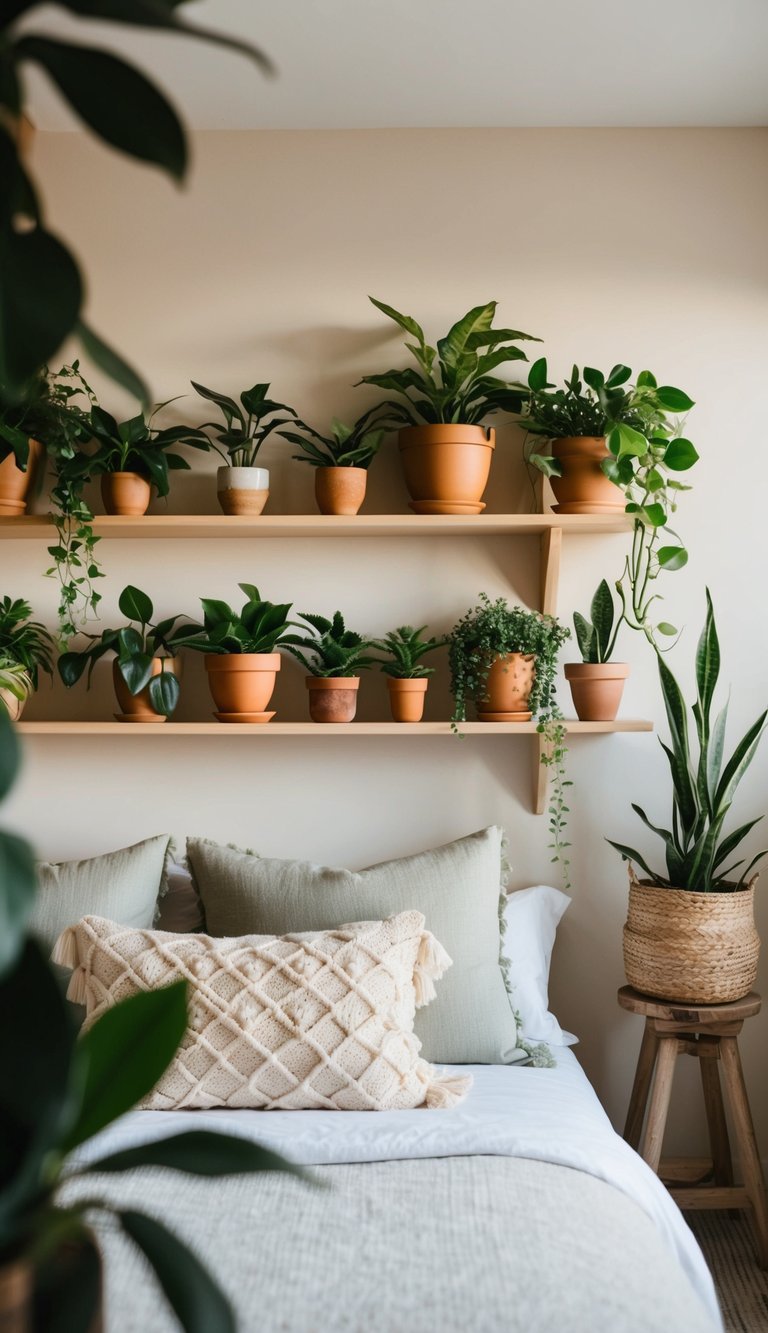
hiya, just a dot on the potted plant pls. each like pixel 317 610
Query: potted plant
pixel 22 427
pixel 243 487
pixel 341 460
pixel 596 682
pixel 336 656
pixel 504 658
pixel 26 649
pixel 241 656
pixel 590 437
pixel 132 457
pixel 57 1093
pixel 407 675
pixel 145 672
pixel 690 934
pixel 445 449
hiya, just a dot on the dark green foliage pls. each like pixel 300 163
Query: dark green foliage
pixel 493 629
pixel 597 637
pixel 136 446
pixel 405 648
pixel 346 446
pixel 24 642
pixel 334 650
pixel 703 787
pixel 454 381
pixel 246 424
pixel 258 628
pixel 136 645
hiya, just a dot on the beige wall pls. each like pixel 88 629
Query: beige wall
pixel 641 246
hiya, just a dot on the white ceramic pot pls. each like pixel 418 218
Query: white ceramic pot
pixel 242 490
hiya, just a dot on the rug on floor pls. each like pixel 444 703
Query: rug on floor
pixel 742 1287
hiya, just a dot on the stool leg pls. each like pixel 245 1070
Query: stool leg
pixel 638 1101
pixel 718 1130
pixel 746 1143
pixel 662 1091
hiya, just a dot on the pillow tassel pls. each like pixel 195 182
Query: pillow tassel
pixel 65 949
pixel 431 962
pixel 77 990
pixel 447 1090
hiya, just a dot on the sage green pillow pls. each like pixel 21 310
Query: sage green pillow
pixel 123 886
pixel 457 889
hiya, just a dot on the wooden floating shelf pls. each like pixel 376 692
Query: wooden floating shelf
pixel 322 731
pixel 215 526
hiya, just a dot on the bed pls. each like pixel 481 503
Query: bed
pixel 518 1210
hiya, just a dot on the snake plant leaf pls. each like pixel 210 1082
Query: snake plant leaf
pixel 114 99
pixel 198 1152
pixel 123 1055
pixel 707 664
pixel 602 618
pixel 135 604
pixel 195 1298
pixel 674 855
pixel 629 854
pixel 585 637
pixel 731 842
pixel 739 762
pixel 683 786
pixel 752 865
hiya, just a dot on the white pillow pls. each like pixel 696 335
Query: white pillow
pixel 531 918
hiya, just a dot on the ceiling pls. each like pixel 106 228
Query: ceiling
pixel 359 64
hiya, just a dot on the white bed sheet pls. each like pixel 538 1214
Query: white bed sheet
pixel 550 1115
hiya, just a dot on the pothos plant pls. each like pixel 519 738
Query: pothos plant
pixel 493 629
pixel 643 425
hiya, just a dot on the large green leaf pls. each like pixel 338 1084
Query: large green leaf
pixel 136 671
pixel 200 1153
pixel 228 406
pixel 125 1053
pixel 707 666
pixel 625 441
pixel 405 322
pixel 452 346
pixel 673 400
pixel 40 297
pixel 629 854
pixel 729 844
pixel 738 763
pixel 164 691
pixel 135 604
pixel 680 455
pixel 112 363
pixel 197 1301
pixel 18 885
pixel 114 99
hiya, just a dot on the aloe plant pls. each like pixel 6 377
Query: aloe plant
pixel 333 649
pixel 703 786
pixel 406 647
pixel 454 381
pixel 597 637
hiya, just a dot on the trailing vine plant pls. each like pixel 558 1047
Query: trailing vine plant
pixel 490 630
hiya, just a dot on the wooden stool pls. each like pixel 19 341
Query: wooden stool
pixel 709 1032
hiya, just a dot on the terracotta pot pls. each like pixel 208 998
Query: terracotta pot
pixel 16 1297
pixel 125 493
pixel 138 707
pixel 332 698
pixel 13 706
pixel 242 683
pixel 15 485
pixel 584 487
pixel 695 948
pixel 597 688
pixel 446 467
pixel 242 490
pixel 340 490
pixel 510 681
pixel 406 698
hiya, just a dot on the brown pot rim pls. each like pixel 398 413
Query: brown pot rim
pixel 406 684
pixel 596 670
pixel 713 894
pixel 242 661
pixel 332 682
pixel 441 432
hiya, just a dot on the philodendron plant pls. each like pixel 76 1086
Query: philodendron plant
pixel 455 381
pixel 698 854
pixel 405 648
pixel 139 446
pixel 136 645
pixel 57 1092
pixel 334 650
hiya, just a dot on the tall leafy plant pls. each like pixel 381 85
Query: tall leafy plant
pixel 698 853
pixel 57 1092
pixel 246 424
pixel 43 291
pixel 455 381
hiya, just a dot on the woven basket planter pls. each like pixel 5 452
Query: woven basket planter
pixel 695 948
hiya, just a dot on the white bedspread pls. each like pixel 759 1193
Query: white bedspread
pixel 549 1115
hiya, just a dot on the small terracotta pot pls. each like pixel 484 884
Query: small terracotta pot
pixel 16 1287
pixel 446 467
pixel 125 493
pixel 406 697
pixel 242 683
pixel 15 485
pixel 332 698
pixel 340 490
pixel 584 487
pixel 597 688
pixel 14 708
pixel 138 707
pixel 508 690
pixel 242 490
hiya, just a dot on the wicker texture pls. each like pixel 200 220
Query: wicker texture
pixel 323 1019
pixel 695 948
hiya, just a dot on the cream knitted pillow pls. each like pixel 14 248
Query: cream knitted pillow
pixel 320 1019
